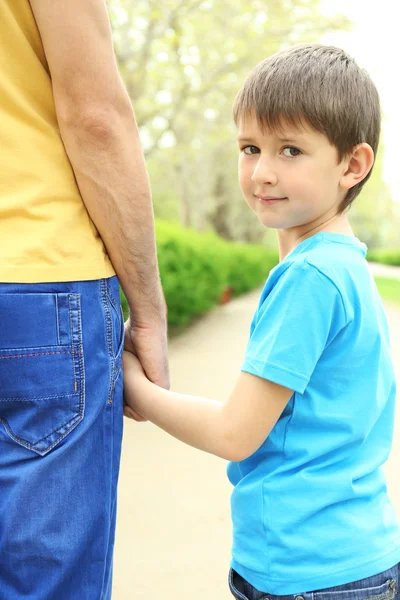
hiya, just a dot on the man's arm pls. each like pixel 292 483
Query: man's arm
pixel 100 135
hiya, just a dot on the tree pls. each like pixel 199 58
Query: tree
pixel 182 62
pixel 372 214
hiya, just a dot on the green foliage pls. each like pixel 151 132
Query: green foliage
pixel 193 271
pixel 182 63
pixel 124 304
pixel 372 214
pixel 389 289
pixel 249 265
pixel 386 257
pixel 196 267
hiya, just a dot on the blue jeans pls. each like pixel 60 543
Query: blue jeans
pixel 61 414
pixel 384 586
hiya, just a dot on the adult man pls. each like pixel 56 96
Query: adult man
pixel 75 211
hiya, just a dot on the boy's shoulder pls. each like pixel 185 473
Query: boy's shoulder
pixel 336 261
pixel 333 255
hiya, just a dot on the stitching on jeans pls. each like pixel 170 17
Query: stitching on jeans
pixel 368 590
pixel 32 447
pixel 42 354
pixel 109 334
pixel 58 323
pixel 6 424
pixel 71 334
pixel 114 357
pixel 81 358
pixel 121 323
pixel 382 596
pixel 77 355
pixel 111 298
pixel 34 398
pixel 108 292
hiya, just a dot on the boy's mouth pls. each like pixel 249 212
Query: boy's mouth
pixel 270 199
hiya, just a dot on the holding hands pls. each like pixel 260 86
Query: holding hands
pixel 145 363
pixel 136 387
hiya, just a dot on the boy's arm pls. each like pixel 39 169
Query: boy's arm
pixel 232 430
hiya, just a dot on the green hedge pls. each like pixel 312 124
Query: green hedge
pixel 389 289
pixel 196 267
pixel 387 257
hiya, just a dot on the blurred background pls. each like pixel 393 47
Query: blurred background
pixel 183 62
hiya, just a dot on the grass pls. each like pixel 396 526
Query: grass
pixel 389 289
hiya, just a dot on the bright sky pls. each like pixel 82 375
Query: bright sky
pixel 374 43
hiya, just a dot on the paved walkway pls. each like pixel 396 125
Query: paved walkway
pixel 174 530
pixel 385 270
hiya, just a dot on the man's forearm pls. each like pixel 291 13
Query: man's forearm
pixel 105 153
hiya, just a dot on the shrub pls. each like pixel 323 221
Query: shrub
pixel 387 257
pixel 196 267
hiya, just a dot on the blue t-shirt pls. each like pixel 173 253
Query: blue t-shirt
pixel 310 508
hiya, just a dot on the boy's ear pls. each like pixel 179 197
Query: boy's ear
pixel 357 165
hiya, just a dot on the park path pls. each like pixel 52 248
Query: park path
pixel 385 270
pixel 173 528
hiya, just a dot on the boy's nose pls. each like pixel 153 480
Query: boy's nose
pixel 264 174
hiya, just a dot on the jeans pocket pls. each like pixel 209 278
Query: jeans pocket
pixel 380 591
pixel 42 378
pixel 117 323
pixel 236 582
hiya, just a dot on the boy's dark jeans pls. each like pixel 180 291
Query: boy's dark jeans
pixel 384 586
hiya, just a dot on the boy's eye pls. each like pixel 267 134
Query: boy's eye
pixel 290 151
pixel 250 150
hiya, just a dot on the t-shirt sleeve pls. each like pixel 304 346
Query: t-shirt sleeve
pixel 297 319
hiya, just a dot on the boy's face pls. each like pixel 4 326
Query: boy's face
pixel 291 179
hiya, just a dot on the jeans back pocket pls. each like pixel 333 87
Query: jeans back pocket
pixel 371 588
pixel 42 386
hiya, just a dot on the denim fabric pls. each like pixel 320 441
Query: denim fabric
pixel 384 586
pixel 61 416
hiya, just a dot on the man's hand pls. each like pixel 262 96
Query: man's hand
pixel 150 346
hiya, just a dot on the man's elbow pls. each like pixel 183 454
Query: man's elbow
pixel 94 117
pixel 92 121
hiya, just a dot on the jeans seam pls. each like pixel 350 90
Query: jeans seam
pixel 112 300
pixel 119 314
pixel 109 336
pixel 80 357
pixel 367 590
pixel 33 398
pixel 31 355
pixel 57 322
pixel 32 446
pixel 72 339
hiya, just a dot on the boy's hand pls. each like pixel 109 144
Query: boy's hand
pixel 135 382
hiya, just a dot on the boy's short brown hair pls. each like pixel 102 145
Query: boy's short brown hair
pixel 321 86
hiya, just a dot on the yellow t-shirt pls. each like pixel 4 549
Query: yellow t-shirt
pixel 46 234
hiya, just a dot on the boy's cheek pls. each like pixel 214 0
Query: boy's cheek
pixel 245 181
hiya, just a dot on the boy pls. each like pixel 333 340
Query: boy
pixel 309 423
